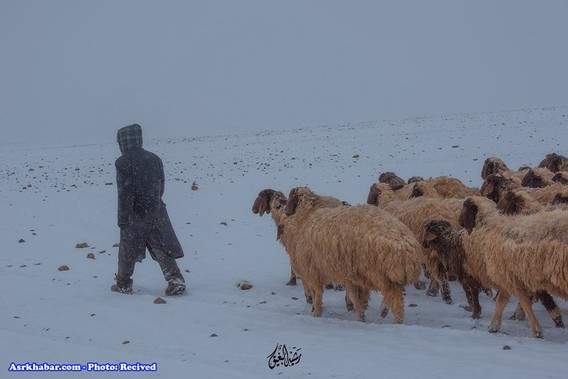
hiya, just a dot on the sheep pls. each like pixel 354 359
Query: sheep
pixel 494 185
pixel 414 213
pixel 361 246
pixel 495 165
pixel 449 209
pixel 561 177
pixel 537 178
pixel 555 162
pixel 441 186
pixel 522 255
pixel 521 201
pixel 392 179
pixel 269 199
pixel 445 241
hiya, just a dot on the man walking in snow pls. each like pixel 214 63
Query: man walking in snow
pixel 142 217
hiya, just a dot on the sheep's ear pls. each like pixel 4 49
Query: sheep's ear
pixel 373 197
pixel 262 203
pixel 487 188
pixel 468 214
pixel 488 169
pixel 292 202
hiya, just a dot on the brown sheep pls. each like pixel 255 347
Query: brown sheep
pixel 555 162
pixel 521 255
pixel 361 246
pixel 414 213
pixel 495 185
pixel 495 165
pixel 268 200
pixel 537 178
pixel 391 179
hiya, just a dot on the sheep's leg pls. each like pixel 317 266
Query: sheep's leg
pixel 519 314
pixel 433 288
pixel 501 301
pixel 383 308
pixel 308 294
pixel 551 307
pixel 395 299
pixel 472 295
pixel 526 303
pixel 292 281
pixel 353 292
pixel 317 293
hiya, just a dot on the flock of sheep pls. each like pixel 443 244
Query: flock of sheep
pixel 511 235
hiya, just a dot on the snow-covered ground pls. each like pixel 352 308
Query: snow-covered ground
pixel 55 197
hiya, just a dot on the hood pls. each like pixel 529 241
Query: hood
pixel 129 137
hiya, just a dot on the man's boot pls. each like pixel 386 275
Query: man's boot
pixel 170 269
pixel 123 281
pixel 123 285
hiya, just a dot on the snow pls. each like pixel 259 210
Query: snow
pixel 55 197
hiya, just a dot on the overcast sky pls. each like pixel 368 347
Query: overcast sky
pixel 77 70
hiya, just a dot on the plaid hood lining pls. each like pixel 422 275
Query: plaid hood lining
pixel 129 137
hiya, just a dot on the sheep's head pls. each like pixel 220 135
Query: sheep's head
pixel 560 198
pixel 554 162
pixel 375 192
pixel 533 180
pixel 417 190
pixel 394 181
pixel 298 196
pixel 493 166
pixel 494 185
pixel 415 179
pixel 511 203
pixel 561 177
pixel 433 230
pixel 468 214
pixel 373 197
pixel 268 199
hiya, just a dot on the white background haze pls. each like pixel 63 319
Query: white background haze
pixel 75 70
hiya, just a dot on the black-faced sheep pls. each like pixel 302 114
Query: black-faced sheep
pixel 444 240
pixel 521 255
pixel 361 246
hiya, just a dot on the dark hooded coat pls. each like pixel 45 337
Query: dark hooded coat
pixel 142 215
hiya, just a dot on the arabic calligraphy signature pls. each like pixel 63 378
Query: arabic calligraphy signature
pixel 281 356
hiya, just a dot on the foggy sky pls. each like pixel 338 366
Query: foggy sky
pixel 77 70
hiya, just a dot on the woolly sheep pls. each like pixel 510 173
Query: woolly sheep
pixel 521 254
pixel 361 246
pixel 446 242
pixel 555 162
pixel 270 200
pixel 494 165
pixel 414 213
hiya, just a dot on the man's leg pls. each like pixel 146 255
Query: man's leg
pixel 130 250
pixel 171 271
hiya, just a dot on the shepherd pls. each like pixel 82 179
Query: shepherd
pixel 142 216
